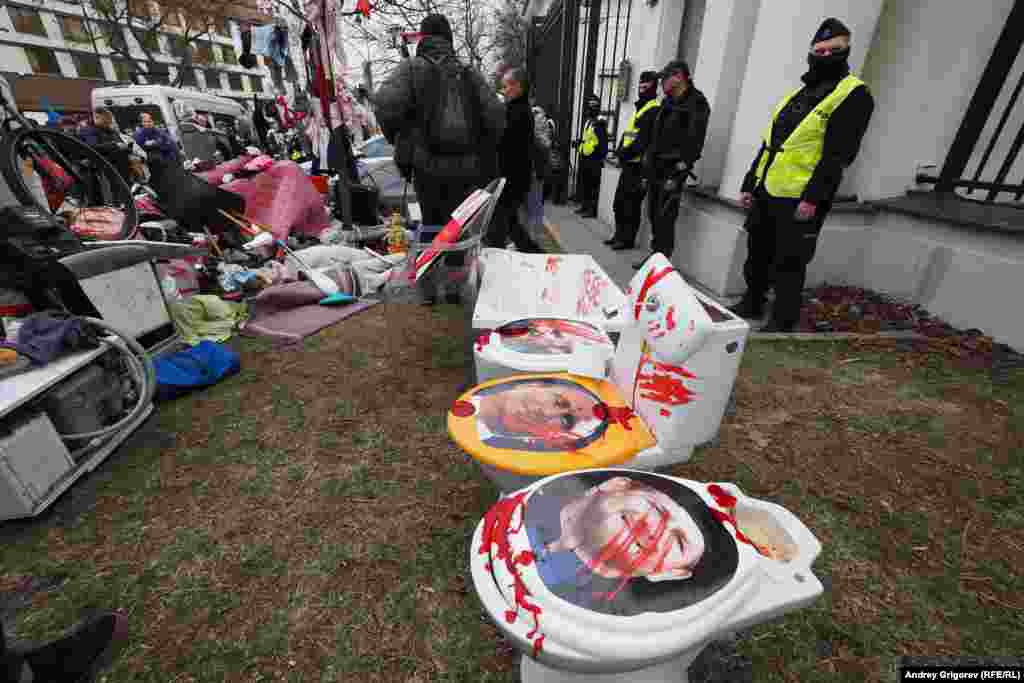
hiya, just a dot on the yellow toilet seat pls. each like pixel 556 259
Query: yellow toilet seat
pixel 547 423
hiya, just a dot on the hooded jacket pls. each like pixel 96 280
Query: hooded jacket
pixel 401 104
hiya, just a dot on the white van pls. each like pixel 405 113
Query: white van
pixel 167 106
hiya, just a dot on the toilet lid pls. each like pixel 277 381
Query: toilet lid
pixel 541 424
pixel 627 543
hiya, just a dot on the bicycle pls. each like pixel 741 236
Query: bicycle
pixel 94 181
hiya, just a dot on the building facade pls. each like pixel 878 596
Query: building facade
pixel 932 207
pixel 51 57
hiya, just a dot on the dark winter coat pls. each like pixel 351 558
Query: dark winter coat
pixel 401 104
pixel 515 152
pixel 678 133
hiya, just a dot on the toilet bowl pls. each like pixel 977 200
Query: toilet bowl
pixel 670 375
pixel 617 575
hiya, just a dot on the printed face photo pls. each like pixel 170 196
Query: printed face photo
pixel 625 543
pixel 549 336
pixel 538 415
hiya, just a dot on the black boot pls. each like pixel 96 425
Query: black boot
pixel 750 306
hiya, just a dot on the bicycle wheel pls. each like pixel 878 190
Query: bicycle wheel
pixel 96 183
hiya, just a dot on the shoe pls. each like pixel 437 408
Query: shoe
pixel 775 327
pixel 622 246
pixel 610 241
pixel 80 655
pixel 749 307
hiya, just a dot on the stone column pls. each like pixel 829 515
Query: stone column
pixel 776 60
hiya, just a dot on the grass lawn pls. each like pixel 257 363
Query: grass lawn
pixel 307 519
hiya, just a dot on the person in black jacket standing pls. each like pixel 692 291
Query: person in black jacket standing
pixel 677 141
pixel 813 136
pixel 632 187
pixel 516 164
pixel 593 150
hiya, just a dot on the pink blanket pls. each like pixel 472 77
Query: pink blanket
pixel 284 199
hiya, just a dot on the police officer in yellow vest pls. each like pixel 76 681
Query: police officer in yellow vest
pixel 593 150
pixel 815 133
pixel 632 187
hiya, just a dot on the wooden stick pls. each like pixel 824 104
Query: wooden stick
pixel 213 243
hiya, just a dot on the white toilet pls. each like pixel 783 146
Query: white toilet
pixel 622 576
pixel 660 392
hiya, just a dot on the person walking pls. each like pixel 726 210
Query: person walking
pixel 814 134
pixel 593 150
pixel 677 141
pixel 443 119
pixel 515 163
pixel 632 187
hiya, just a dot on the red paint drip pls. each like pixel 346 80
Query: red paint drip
pixel 552 264
pixel 617 553
pixel 670 319
pixel 651 280
pixel 483 340
pixel 463 409
pixel 722 497
pixel 616 415
pixel 497 523
pixel 729 519
pixel 666 413
pixel 666 388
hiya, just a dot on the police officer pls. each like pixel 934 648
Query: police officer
pixel 814 134
pixel 632 187
pixel 593 150
pixel 677 141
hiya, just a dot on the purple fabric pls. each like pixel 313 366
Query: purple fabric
pixel 43 337
pixel 291 312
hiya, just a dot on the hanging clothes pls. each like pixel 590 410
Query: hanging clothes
pixel 279 45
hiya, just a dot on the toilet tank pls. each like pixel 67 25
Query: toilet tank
pixel 682 400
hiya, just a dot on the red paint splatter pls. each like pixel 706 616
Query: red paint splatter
pixel 629 291
pixel 663 385
pixel 670 319
pixel 722 497
pixel 614 414
pixel 728 501
pixel 552 264
pixel 590 297
pixel 497 523
pixel 666 413
pixel 652 279
pixel 729 519
pixel 483 340
pixel 463 409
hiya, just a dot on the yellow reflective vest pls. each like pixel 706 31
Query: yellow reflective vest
pixel 633 130
pixel 796 159
pixel 589 139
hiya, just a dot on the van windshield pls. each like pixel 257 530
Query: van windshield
pixel 128 116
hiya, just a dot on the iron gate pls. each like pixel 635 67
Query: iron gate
pixel 977 121
pixel 574 50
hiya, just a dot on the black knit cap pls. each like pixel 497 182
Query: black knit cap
pixel 830 28
pixel 436 25
pixel 649 77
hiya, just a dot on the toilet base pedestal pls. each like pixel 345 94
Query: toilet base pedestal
pixel 672 671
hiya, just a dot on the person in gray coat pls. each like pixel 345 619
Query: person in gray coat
pixel 403 106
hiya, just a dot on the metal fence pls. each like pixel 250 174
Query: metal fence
pixel 577 49
pixel 993 111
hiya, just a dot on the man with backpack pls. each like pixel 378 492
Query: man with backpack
pixel 444 121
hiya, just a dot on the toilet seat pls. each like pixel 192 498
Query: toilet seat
pixel 544 344
pixel 559 624
pixel 496 423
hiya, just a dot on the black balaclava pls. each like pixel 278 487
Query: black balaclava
pixel 648 77
pixel 436 25
pixel 831 67
pixel 591 106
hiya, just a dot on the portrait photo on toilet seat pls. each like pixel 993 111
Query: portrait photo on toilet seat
pixel 624 542
pixel 539 414
pixel 549 336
